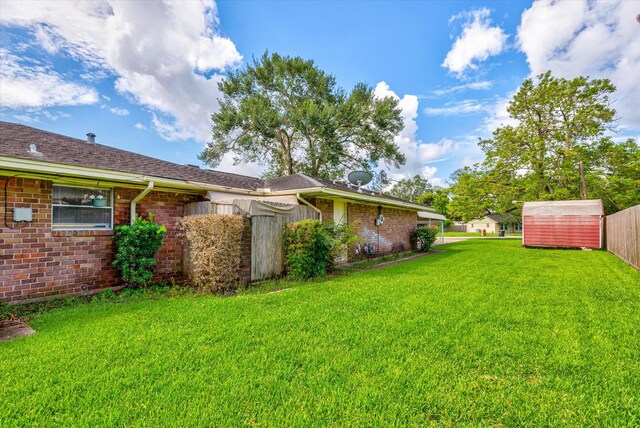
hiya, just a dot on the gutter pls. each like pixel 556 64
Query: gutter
pixel 307 203
pixel 137 199
pixel 105 175
pixel 365 197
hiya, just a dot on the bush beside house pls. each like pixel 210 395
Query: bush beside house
pixel 313 248
pixel 136 248
pixel 425 237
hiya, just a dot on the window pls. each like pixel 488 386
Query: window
pixel 82 207
pixel 487 224
pixel 471 224
pixel 518 227
pixel 504 227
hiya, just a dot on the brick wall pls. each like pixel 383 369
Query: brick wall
pixel 395 232
pixel 38 262
pixel 325 206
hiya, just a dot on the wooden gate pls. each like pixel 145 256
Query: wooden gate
pixel 267 250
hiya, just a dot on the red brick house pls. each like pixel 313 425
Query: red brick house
pixel 62 197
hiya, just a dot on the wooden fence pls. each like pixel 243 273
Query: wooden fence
pixel 267 249
pixel 456 228
pixel 208 207
pixel 623 235
pixel 267 252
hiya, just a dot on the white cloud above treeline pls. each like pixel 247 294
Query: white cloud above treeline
pixel 418 153
pixel 586 38
pixel 477 42
pixel 482 85
pixel 164 55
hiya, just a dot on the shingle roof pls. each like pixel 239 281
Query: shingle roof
pixel 303 181
pixel 16 139
pixel 503 218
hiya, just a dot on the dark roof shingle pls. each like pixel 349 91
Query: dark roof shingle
pixel 15 141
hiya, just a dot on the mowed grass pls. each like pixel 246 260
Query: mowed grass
pixel 478 235
pixel 485 333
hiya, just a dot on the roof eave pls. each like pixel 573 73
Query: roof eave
pixel 352 195
pixel 34 166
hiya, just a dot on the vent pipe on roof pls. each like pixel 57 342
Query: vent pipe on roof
pixel 91 138
pixel 33 148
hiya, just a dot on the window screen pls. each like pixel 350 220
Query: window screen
pixel 82 207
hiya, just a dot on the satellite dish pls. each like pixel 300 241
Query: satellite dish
pixel 360 178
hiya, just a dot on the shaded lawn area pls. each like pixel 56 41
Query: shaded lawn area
pixel 485 333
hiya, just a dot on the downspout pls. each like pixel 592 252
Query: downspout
pixel 137 199
pixel 307 203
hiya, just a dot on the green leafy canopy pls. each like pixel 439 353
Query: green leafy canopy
pixel 410 189
pixel 287 114
pixel 560 125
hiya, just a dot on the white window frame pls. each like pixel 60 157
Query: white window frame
pixel 104 190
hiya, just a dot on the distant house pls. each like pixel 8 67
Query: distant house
pixel 494 223
pixel 63 197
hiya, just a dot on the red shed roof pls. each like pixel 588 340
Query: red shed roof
pixel 580 208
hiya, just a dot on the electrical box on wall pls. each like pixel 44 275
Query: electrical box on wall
pixel 22 214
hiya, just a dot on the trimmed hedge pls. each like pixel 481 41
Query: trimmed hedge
pixel 214 243
pixel 136 248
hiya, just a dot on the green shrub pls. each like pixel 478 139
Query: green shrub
pixel 307 246
pixel 344 236
pixel 311 248
pixel 136 247
pixel 425 237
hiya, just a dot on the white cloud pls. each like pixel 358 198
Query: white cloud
pixel 595 39
pixel 170 131
pixel 119 111
pixel 457 108
pixel 27 85
pixel 478 41
pixel 418 153
pixel 499 116
pixel 163 54
pixel 460 88
pixel 140 126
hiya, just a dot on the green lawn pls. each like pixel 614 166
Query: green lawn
pixel 485 333
pixel 477 235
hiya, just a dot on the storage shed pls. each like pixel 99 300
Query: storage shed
pixel 563 224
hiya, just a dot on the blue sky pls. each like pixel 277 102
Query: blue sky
pixel 142 75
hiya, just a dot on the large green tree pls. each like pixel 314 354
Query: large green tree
pixel 410 189
pixel 561 124
pixel 287 114
pixel 437 198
